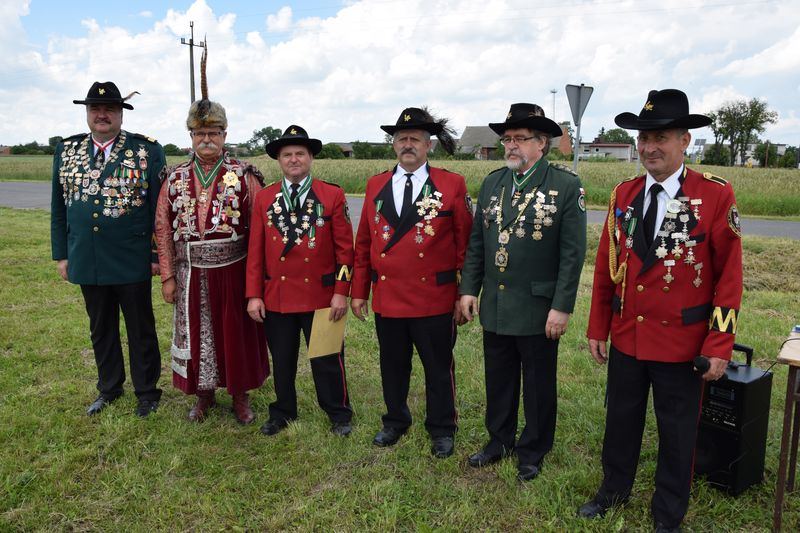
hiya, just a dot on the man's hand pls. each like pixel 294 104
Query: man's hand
pixel 61 267
pixel 469 307
pixel 716 368
pixel 458 316
pixel 338 307
pixel 359 308
pixel 168 289
pixel 598 350
pixel 256 309
pixel 155 270
pixel 556 324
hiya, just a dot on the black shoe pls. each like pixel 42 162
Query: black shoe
pixel 145 407
pixel 597 509
pixel 661 528
pixel 482 458
pixel 388 436
pixel 442 447
pixel 527 472
pixel 271 427
pixel 341 429
pixel 99 404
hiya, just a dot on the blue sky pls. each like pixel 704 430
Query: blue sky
pixel 341 69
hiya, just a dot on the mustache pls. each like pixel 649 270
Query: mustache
pixel 412 151
pixel 102 121
pixel 209 144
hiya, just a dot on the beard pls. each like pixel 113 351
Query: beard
pixel 521 160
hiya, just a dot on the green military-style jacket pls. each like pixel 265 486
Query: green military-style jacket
pixel 539 265
pixel 102 218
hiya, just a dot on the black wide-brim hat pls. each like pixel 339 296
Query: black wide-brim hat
pixel 414 118
pixel 665 109
pixel 293 136
pixel 104 93
pixel 529 116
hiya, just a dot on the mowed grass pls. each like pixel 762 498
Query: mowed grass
pixel 759 192
pixel 63 471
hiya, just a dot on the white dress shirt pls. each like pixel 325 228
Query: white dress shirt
pixel 671 185
pixel 399 184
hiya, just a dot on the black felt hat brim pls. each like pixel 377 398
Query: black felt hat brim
pixel 117 101
pixel 543 124
pixel 314 145
pixel 629 121
pixel 431 127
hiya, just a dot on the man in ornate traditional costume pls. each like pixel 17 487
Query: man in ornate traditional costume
pixel 202 225
pixel 105 187
pixel 300 260
pixel 410 247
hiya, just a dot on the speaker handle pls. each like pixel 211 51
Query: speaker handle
pixel 746 350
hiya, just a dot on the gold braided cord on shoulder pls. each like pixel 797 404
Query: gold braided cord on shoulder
pixel 617 272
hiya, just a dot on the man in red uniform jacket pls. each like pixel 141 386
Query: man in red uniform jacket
pixel 667 287
pixel 300 259
pixel 410 248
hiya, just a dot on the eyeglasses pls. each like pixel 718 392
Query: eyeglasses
pixel 209 134
pixel 516 140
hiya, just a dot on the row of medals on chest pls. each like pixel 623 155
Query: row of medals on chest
pixel 116 189
pixel 677 213
pixel 543 217
pixel 305 221
pixel 225 206
pixel 427 209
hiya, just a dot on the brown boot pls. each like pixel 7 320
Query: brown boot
pixel 241 408
pixel 205 400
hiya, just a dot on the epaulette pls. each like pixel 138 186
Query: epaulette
pixel 252 169
pixel 496 170
pixel 76 136
pixel 145 137
pixel 716 179
pixel 331 183
pixel 559 166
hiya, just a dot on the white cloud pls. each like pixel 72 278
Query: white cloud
pixel 280 22
pixel 344 75
pixel 146 14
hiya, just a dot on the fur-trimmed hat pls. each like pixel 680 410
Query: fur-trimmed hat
pixel 204 113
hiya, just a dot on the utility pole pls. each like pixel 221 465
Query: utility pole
pixel 191 56
pixel 553 92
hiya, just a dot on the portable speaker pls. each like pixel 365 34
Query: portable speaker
pixel 732 432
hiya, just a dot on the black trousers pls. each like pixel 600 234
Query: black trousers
pixel 434 337
pixel 677 393
pixel 506 359
pixel 103 304
pixel 283 338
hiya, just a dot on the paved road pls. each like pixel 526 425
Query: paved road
pixel 36 195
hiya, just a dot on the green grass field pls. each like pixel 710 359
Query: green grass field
pixel 63 471
pixel 759 192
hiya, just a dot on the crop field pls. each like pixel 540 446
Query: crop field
pixel 63 471
pixel 759 192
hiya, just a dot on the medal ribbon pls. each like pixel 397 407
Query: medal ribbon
pixel 312 231
pixel 300 192
pixel 206 179
pixel 519 184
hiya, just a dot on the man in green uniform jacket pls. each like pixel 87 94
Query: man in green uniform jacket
pixel 526 252
pixel 105 189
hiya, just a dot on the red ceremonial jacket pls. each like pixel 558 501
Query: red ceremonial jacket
pixel 413 263
pixel 666 312
pixel 297 267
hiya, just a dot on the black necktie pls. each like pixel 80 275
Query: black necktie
pixel 99 157
pixel 407 195
pixel 293 196
pixel 650 216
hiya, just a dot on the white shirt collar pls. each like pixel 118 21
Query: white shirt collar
pixel 670 185
pixel 420 175
pixel 289 183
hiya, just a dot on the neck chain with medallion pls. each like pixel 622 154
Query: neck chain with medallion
pixel 504 235
pixel 206 178
pixel 287 194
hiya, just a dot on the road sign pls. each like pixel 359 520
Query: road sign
pixel 578 96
